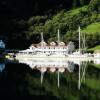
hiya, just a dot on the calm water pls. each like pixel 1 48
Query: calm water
pixel 50 79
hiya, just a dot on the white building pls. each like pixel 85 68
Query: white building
pixel 53 49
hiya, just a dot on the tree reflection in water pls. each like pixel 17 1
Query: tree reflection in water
pixel 50 80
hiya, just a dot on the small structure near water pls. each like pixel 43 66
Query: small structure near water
pixel 97 53
pixel 2 45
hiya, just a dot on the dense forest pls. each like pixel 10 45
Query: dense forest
pixel 21 22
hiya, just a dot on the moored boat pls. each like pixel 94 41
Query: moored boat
pixel 54 49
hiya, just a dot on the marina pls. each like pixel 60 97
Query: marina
pixel 57 49
pixel 50 49
pixel 54 49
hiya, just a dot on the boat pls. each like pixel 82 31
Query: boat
pixel 43 49
pixel 80 53
pixel 56 49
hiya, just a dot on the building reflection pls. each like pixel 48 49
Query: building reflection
pixel 58 66
pixel 2 66
pixel 51 65
pixel 96 61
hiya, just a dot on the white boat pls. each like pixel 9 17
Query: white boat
pixel 79 55
pixel 57 49
pixel 54 49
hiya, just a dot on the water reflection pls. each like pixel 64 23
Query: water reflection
pixel 49 64
pixel 52 65
pixel 2 66
pixel 81 73
pixel 56 66
pixel 96 61
pixel 59 66
pixel 60 78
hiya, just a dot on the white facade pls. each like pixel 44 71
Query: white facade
pixel 52 48
pixel 51 65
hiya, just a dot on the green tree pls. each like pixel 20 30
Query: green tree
pixel 94 5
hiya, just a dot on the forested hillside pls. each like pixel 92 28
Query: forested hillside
pixel 21 22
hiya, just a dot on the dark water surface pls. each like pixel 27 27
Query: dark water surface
pixel 78 81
